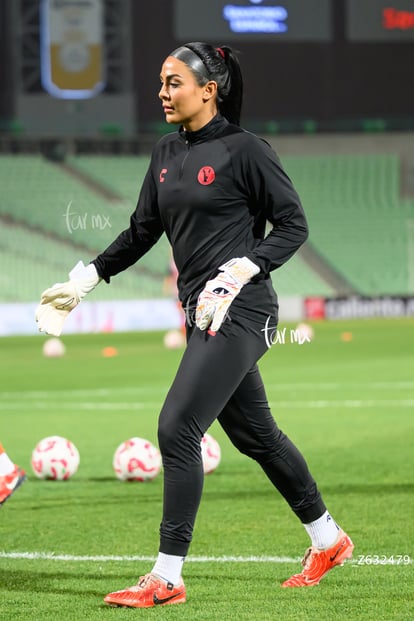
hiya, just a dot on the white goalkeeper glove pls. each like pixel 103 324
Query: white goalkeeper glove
pixel 216 297
pixel 58 301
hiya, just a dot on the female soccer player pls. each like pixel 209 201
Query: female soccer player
pixel 11 476
pixel 211 187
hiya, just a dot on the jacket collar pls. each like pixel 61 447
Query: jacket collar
pixel 216 125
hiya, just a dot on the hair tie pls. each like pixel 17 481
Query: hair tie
pixel 220 51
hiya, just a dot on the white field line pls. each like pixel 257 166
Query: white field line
pixel 343 403
pixel 79 405
pixel 81 392
pixel 73 558
pixel 139 405
pixel 100 398
pixel 108 398
pixel 295 386
pixel 50 556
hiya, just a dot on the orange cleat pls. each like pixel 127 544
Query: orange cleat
pixel 150 591
pixel 316 563
pixel 10 482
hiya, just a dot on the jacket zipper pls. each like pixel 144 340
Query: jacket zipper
pixel 184 158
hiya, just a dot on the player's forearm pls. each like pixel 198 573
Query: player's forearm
pixel 285 238
pixel 124 251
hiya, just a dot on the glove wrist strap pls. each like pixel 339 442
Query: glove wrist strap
pixel 242 270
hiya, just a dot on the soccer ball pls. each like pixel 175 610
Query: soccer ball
pixel 210 452
pixel 174 339
pixel 54 348
pixel 136 459
pixel 55 458
pixel 305 332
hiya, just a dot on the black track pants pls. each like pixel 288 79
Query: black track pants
pixel 218 378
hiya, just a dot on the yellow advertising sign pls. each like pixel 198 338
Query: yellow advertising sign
pixel 72 48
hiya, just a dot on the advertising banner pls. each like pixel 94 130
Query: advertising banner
pixel 72 48
pixel 355 307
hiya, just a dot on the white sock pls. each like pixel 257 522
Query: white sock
pixel 168 567
pixel 6 465
pixel 323 531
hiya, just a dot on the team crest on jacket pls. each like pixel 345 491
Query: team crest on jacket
pixel 206 175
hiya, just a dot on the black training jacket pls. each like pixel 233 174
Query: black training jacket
pixel 211 191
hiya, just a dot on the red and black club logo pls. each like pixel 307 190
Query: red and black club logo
pixel 206 175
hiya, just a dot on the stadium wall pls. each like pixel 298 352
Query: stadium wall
pixel 118 316
pixel 145 315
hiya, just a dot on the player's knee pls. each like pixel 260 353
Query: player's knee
pixel 167 437
pixel 178 440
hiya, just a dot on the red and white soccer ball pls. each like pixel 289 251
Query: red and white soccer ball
pixel 136 459
pixel 210 452
pixel 55 458
pixel 53 348
pixel 174 339
pixel 305 332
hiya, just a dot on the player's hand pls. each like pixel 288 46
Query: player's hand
pixel 216 297
pixel 58 301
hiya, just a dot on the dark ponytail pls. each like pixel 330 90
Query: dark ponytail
pixel 230 105
pixel 221 65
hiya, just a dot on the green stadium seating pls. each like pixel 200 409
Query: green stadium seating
pixel 50 219
pixel 44 197
pixel 32 261
pixel 122 175
pixel 358 221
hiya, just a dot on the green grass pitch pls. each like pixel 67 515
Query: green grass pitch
pixel 348 405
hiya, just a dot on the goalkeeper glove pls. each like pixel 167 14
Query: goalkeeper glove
pixel 216 297
pixel 58 301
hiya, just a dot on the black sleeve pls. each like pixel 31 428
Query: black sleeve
pixel 273 199
pixel 144 231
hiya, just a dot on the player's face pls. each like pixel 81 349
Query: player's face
pixel 183 100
